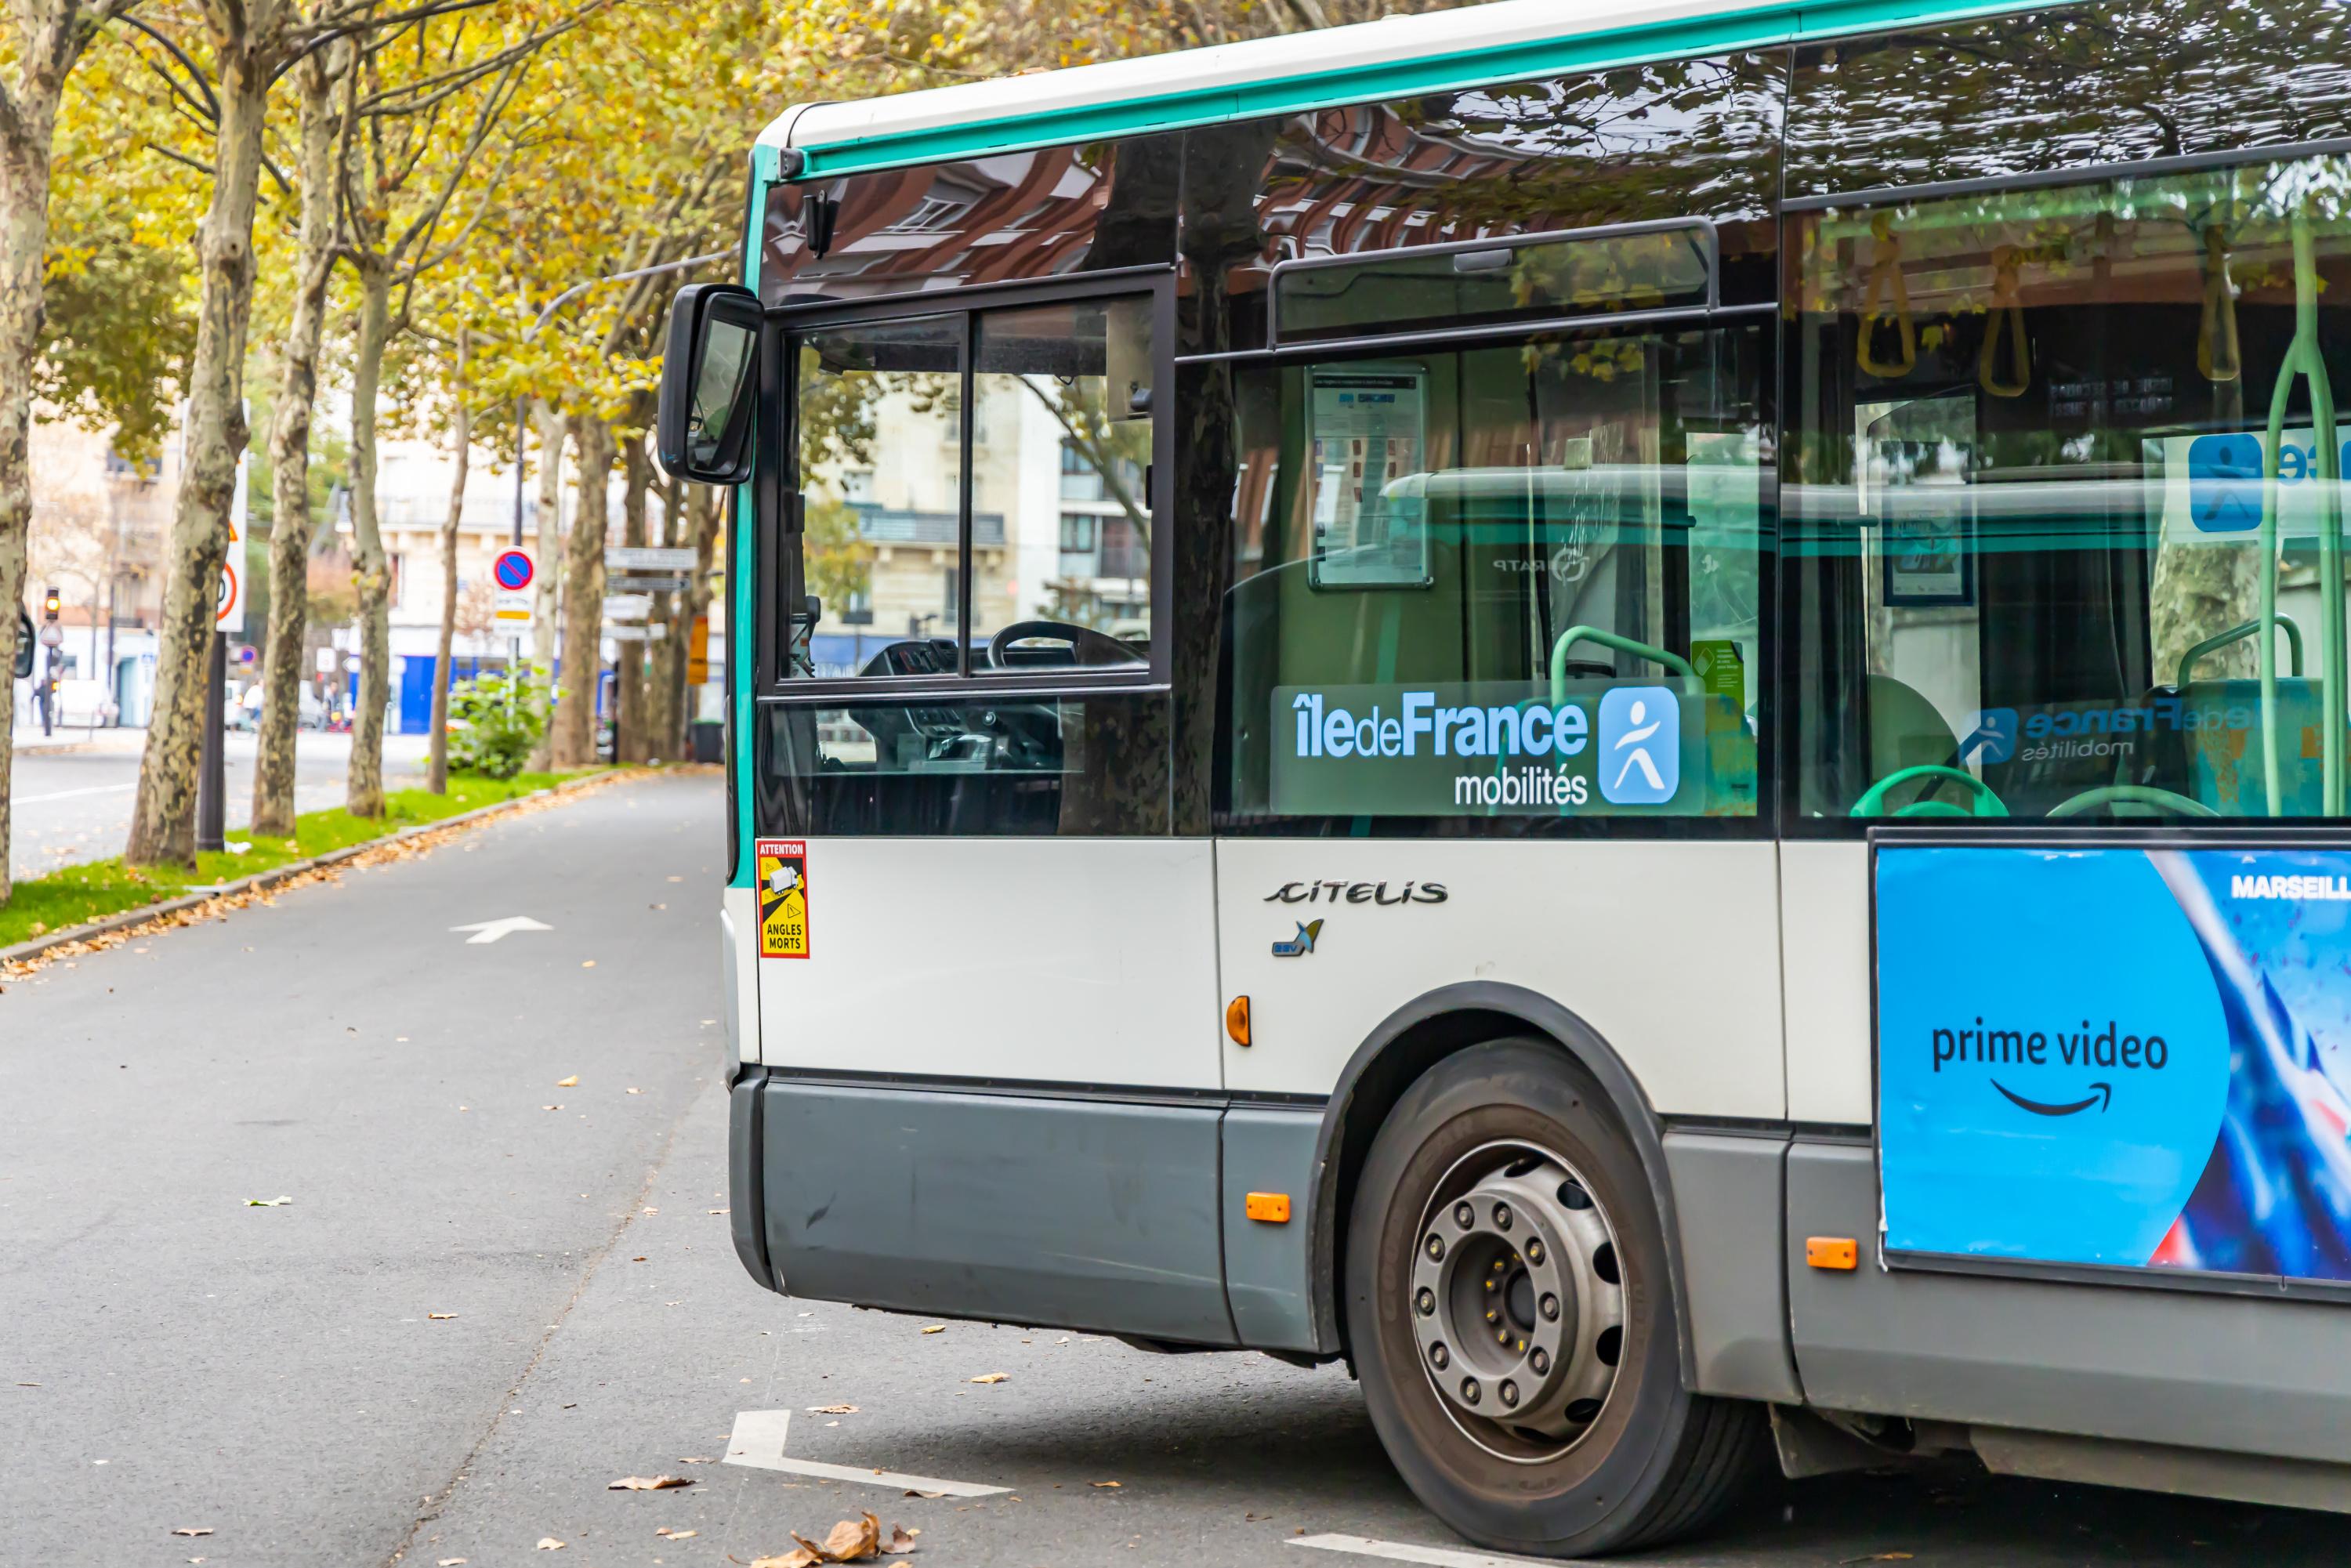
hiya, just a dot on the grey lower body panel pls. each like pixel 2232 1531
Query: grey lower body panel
pixel 2229 1374
pixel 1727 1206
pixel 1067 1212
pixel 747 1208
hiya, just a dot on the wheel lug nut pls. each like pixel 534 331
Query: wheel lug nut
pixel 1550 1309
pixel 1502 1336
pixel 1439 1357
pixel 1509 1392
pixel 1534 1251
pixel 1501 1217
pixel 1426 1301
pixel 1539 1361
pixel 1469 1391
pixel 1464 1216
pixel 1436 1248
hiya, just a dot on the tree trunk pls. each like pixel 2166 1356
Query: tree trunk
pixel 163 823
pixel 24 245
pixel 667 686
pixel 284 665
pixel 546 548
pixel 583 599
pixel 371 572
pixel 705 508
pixel 631 733
pixel 461 437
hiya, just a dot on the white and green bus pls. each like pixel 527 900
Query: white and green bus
pixel 1635 713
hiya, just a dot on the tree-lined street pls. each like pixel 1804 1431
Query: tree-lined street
pixel 501 1279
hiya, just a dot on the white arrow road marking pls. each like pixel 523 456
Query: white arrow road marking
pixel 759 1443
pixel 1435 1556
pixel 491 930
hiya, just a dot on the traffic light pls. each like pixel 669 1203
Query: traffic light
pixel 50 600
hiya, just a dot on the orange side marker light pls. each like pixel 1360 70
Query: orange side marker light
pixel 1237 1020
pixel 1832 1252
pixel 1271 1207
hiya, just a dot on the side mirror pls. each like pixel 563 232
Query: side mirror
pixel 710 383
pixel 23 645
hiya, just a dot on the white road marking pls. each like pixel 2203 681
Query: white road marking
pixel 1435 1556
pixel 491 930
pixel 73 794
pixel 758 1444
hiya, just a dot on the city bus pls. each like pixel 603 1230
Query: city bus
pixel 1634 714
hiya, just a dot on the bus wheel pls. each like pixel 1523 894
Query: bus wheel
pixel 1508 1310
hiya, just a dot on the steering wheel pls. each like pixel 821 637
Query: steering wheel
pixel 1872 801
pixel 2132 794
pixel 1088 647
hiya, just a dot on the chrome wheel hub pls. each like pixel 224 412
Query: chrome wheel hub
pixel 1515 1301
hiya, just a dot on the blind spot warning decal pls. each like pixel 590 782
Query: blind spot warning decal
pixel 783 898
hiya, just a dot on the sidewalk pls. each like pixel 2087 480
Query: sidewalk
pixel 31 742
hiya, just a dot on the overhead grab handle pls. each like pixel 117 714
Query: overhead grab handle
pixel 2007 261
pixel 1885 283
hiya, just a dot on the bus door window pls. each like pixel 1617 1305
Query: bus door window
pixel 879 456
pixel 1061 416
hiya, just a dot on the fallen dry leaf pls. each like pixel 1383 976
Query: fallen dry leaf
pixel 588 963
pixel 449 1562
pixel 833 1409
pixel 440 1317
pixel 902 1540
pixel 648 1483
pixel 548 1543
pixel 699 1459
pixel 936 1328
pixel 571 1083
pixel 991 1378
pixel 193 1530
pixel 677 1534
pixel 1103 1483
pixel 266 1202
pixel 912 1492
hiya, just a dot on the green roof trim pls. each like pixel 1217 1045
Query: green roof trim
pixel 1762 27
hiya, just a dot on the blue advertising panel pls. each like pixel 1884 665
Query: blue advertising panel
pixel 2124 1057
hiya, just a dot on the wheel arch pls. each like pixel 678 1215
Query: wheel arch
pixel 1407 1044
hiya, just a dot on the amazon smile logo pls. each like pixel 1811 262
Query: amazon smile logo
pixel 2102 1099
pixel 2112 1049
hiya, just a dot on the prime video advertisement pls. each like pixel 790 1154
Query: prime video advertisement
pixel 2121 1057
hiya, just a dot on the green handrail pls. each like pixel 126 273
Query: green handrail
pixel 2303 358
pixel 1988 803
pixel 1673 662
pixel 2237 633
pixel 2131 794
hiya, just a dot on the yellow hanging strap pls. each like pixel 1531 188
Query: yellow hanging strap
pixel 1885 281
pixel 2217 354
pixel 2007 261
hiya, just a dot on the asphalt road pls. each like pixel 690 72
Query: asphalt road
pixel 491 1294
pixel 73 806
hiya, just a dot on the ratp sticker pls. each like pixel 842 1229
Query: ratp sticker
pixel 783 898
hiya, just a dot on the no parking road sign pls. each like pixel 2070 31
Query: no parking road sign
pixel 513 571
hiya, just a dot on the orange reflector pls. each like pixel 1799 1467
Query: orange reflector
pixel 1832 1252
pixel 1273 1207
pixel 1237 1023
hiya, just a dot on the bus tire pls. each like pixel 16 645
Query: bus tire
pixel 1498 1199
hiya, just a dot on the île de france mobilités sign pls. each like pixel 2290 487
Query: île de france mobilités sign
pixel 2133 1058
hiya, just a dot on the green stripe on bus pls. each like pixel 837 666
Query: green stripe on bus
pixel 1761 27
pixel 742 643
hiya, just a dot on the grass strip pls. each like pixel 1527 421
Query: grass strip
pixel 75 894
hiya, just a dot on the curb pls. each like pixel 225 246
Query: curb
pixel 262 881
